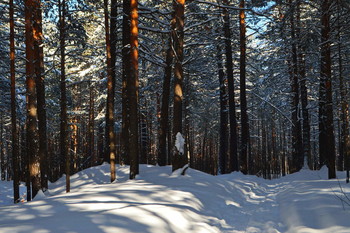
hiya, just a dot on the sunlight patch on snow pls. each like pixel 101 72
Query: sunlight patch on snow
pixel 229 202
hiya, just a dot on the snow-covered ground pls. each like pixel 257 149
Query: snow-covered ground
pixel 158 201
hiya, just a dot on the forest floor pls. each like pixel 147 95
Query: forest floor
pixel 159 201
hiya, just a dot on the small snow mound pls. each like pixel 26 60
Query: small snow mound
pixel 179 172
pixel 180 143
pixel 40 196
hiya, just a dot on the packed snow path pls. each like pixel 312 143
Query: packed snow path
pixel 158 201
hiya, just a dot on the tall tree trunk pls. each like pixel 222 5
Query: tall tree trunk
pixel 110 134
pixel 40 90
pixel 178 158
pixel 246 167
pixel 296 126
pixel 303 91
pixel 326 124
pixel 223 151
pixel 344 142
pixel 132 89
pixel 65 156
pixel 31 135
pixel 234 166
pixel 113 37
pixel 164 114
pixel 15 148
pixel 125 78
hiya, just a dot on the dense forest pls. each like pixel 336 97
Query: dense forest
pixel 254 86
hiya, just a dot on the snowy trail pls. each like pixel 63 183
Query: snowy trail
pixel 158 201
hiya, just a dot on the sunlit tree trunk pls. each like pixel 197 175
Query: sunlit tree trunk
pixel 178 158
pixel 132 89
pixel 31 122
pixel 110 134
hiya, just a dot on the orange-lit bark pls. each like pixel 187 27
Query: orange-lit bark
pixel 178 159
pixel 110 134
pixel 31 125
pixel 132 91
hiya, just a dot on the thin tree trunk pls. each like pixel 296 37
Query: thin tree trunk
pixel 2 154
pixel 125 78
pixel 132 89
pixel 223 151
pixel 246 167
pixel 234 166
pixel 91 128
pixel 110 137
pixel 15 148
pixel 326 124
pixel 164 114
pixel 65 156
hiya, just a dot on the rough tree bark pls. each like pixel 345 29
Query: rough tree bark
pixel 31 121
pixel 40 91
pixel 110 134
pixel 178 158
pixel 132 89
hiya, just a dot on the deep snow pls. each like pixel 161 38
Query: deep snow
pixel 158 201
